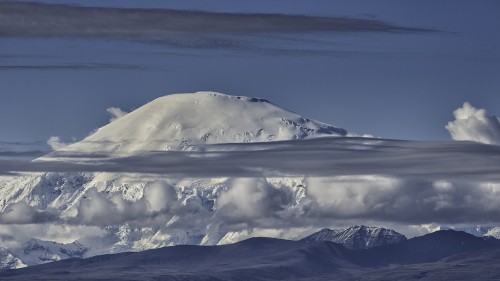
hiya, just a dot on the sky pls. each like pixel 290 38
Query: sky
pixel 392 69
pixel 399 70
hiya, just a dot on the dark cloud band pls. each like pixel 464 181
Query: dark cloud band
pixel 50 20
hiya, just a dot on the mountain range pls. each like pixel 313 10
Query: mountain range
pixel 442 255
pixel 114 212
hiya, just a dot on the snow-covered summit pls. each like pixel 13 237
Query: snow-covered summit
pixel 182 121
pixel 358 236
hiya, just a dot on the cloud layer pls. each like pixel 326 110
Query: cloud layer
pixel 343 180
pixel 475 125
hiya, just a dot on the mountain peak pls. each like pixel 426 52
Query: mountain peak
pixel 358 236
pixel 185 121
pixel 207 95
pixel 494 232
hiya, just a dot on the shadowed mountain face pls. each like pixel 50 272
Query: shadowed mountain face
pixel 470 265
pixel 358 237
pixel 428 248
pixel 275 259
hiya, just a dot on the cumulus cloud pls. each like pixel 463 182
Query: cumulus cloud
pixel 403 200
pixel 56 143
pixel 23 213
pixel 250 199
pixel 474 124
pixel 256 206
pixel 100 208
pixel 159 196
pixel 14 236
pixel 116 113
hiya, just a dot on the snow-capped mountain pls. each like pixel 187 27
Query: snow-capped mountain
pixel 36 251
pixel 476 230
pixel 442 255
pixel 183 121
pixel 358 236
pixel 8 260
pixel 175 210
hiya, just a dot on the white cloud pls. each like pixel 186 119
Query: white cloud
pixel 413 201
pixel 55 143
pixel 100 208
pixel 116 113
pixel 23 213
pixel 474 124
pixel 251 199
pixel 14 236
pixel 352 196
pixel 160 196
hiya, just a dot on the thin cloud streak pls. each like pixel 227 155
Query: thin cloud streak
pixel 28 153
pixel 91 66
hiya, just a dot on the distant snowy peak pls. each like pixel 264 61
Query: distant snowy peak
pixel 358 237
pixel 37 251
pixel 183 121
pixel 476 230
pixel 9 261
pixel 494 232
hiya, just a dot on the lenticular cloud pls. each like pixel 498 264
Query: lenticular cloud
pixel 474 124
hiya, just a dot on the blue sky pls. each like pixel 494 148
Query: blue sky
pixel 403 81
